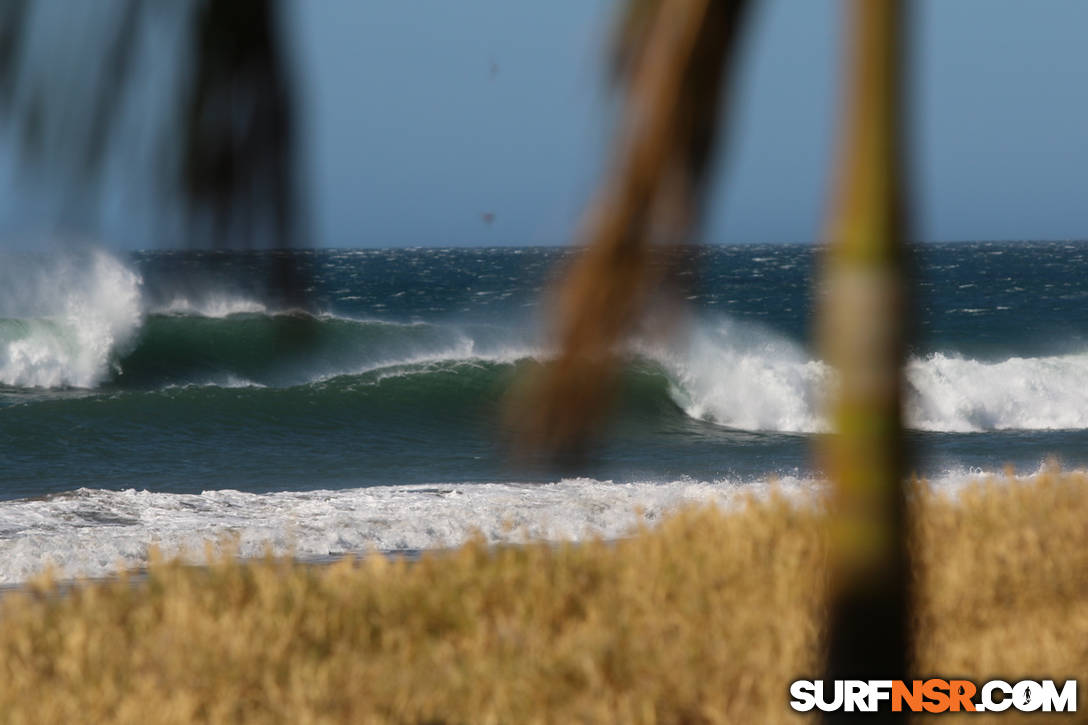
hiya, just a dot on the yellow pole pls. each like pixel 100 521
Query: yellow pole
pixel 862 334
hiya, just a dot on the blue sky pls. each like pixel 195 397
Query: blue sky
pixel 413 137
pixel 420 116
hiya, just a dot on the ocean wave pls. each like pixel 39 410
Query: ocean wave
pixel 82 321
pixel 294 349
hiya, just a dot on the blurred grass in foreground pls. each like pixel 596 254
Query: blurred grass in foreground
pixel 704 618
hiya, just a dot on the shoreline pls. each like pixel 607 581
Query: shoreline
pixel 357 520
pixel 706 615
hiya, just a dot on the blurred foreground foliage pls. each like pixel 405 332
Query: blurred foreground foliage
pixel 704 618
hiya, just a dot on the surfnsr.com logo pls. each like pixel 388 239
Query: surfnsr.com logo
pixel 933 696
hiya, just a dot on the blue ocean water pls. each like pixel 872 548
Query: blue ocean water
pixel 169 397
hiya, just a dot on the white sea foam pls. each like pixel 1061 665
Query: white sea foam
pixel 463 352
pixel 744 376
pixel 956 394
pixel 93 532
pixel 216 305
pixel 751 378
pixel 65 318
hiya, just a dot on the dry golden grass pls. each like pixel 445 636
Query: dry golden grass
pixel 705 618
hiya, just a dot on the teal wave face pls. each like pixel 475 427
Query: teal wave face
pixel 408 422
pixel 278 350
pixel 427 394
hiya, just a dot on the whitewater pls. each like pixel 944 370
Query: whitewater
pixel 170 398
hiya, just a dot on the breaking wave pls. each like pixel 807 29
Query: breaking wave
pixel 951 393
pixel 83 321
pixel 65 320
